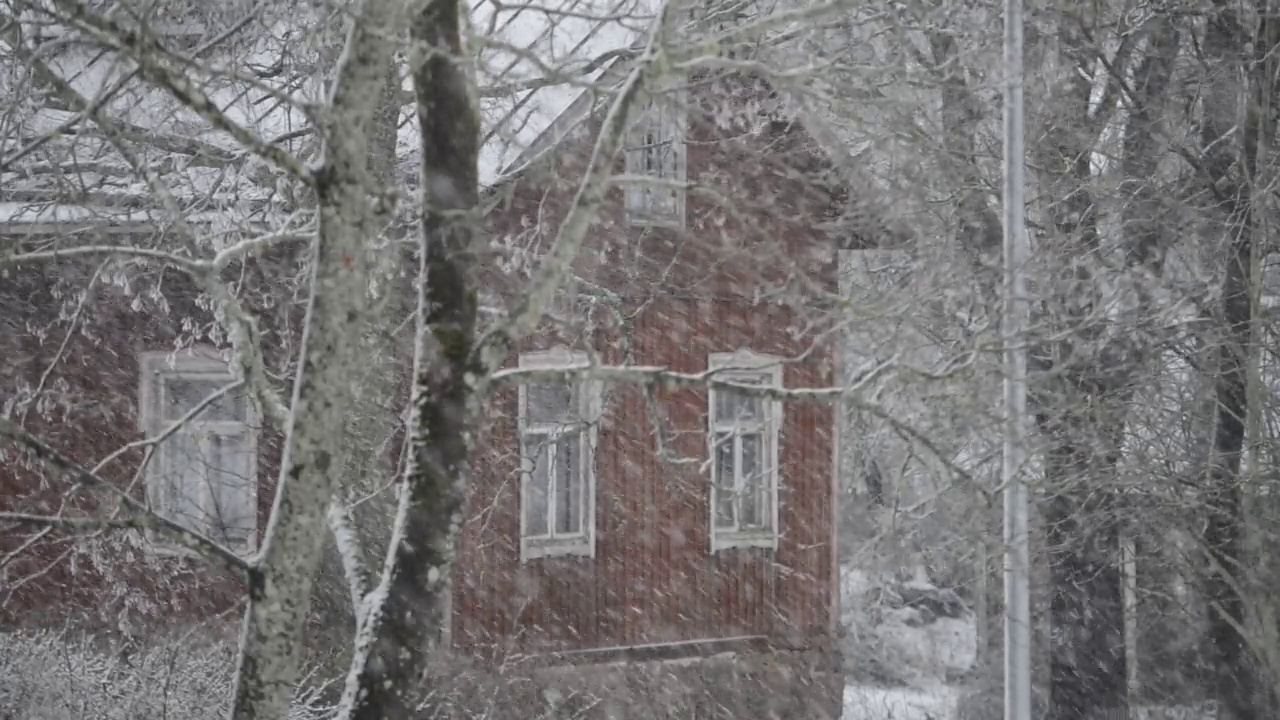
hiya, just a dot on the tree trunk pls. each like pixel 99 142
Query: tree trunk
pixel 405 624
pixel 1231 676
pixel 1082 412
pixel 1228 659
pixel 1087 672
pixel 280 588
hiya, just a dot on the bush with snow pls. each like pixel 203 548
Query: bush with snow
pixel 904 632
pixel 48 676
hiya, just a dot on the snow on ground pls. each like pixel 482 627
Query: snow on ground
pixel 902 703
pixel 911 640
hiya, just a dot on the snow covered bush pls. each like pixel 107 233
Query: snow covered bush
pixel 50 676
pixel 898 632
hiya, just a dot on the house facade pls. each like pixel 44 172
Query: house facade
pixel 656 518
pixel 690 513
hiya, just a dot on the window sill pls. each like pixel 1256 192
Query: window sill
pixel 162 549
pixel 535 549
pixel 655 221
pixel 730 541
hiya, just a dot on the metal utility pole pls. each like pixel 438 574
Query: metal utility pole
pixel 1017 311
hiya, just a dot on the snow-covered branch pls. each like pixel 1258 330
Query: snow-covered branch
pixel 666 377
pixel 215 264
pixel 156 65
pixel 344 536
pixel 178 261
pixel 852 393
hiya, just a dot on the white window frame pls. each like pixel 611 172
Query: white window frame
pixel 589 394
pixel 745 365
pixel 663 120
pixel 198 363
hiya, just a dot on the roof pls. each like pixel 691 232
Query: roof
pixel 868 215
pixel 556 48
pixel 537 59
pixel 536 74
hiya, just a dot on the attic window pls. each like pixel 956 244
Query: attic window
pixel 655 153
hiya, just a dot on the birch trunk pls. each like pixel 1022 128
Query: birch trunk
pixel 377 409
pixel 280 587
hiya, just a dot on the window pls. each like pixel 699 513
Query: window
pixel 204 474
pixel 557 450
pixel 744 451
pixel 655 150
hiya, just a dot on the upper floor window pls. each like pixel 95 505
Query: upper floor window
pixel 655 155
pixel 557 449
pixel 744 449
pixel 203 474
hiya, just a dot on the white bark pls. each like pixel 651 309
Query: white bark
pixel 280 593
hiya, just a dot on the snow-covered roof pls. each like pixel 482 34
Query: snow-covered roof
pixel 537 64
pixel 537 59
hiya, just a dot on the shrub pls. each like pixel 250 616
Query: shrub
pixel 51 676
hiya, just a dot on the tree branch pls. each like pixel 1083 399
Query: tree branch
pixel 168 143
pixel 242 331
pixel 494 347
pixel 344 536
pixel 156 65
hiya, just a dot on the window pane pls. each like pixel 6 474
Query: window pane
pixel 549 402
pixel 653 152
pixel 537 485
pixel 723 492
pixel 232 517
pixel 182 481
pixel 568 488
pixel 727 404
pixel 183 394
pixel 738 405
pixel 754 484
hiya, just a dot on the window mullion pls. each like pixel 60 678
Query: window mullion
pixel 583 479
pixel 738 482
pixel 204 443
pixel 552 486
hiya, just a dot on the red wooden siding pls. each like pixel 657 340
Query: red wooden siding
pixel 653 578
pixel 90 581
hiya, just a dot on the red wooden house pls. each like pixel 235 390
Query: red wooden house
pixel 677 519
pixel 662 521
pixel 644 521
